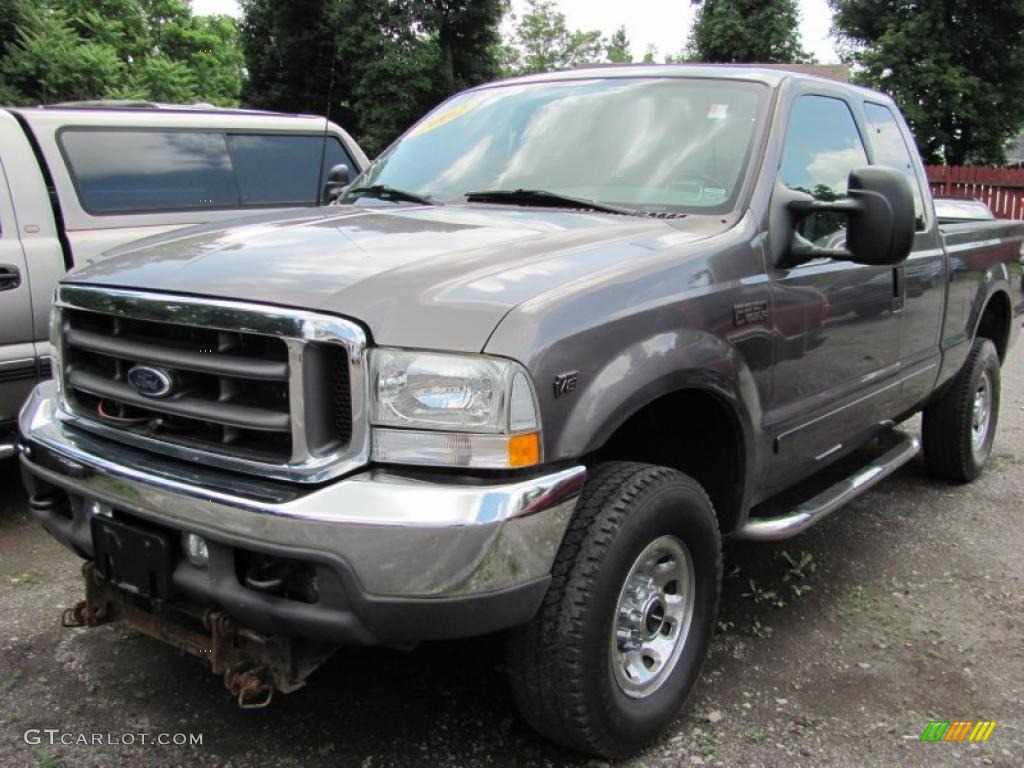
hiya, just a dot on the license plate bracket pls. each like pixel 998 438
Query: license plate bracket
pixel 135 559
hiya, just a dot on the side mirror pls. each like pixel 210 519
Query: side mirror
pixel 337 180
pixel 880 219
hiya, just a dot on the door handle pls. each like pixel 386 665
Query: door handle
pixel 899 288
pixel 10 277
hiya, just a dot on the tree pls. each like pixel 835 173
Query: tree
pixel 953 66
pixel 617 49
pixel 734 31
pixel 545 42
pixel 59 50
pixel 392 59
pixel 288 51
pixel 467 34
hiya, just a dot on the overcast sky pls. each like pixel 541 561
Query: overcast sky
pixel 663 23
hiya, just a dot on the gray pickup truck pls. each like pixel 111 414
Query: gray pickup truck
pixel 546 352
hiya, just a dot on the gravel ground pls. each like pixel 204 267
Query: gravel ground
pixel 835 648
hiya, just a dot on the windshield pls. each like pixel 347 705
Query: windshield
pixel 666 144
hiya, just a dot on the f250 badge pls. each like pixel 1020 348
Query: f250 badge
pixel 565 383
pixel 749 313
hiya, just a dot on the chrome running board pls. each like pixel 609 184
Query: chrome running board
pixel 828 501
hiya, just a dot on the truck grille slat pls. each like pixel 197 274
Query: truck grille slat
pixel 253 388
pixel 201 362
pixel 190 407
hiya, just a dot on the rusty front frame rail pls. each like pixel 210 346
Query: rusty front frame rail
pixel 253 665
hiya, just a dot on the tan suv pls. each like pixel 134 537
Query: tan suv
pixel 77 180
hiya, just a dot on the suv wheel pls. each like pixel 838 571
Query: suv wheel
pixel 617 646
pixel 959 428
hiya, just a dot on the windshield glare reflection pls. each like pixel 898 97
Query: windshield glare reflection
pixel 657 144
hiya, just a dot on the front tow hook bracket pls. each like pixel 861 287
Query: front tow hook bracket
pixel 250 688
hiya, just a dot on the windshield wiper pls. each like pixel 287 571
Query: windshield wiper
pixel 544 198
pixel 384 192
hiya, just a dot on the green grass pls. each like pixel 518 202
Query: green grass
pixel 756 734
pixel 27 580
pixel 9 683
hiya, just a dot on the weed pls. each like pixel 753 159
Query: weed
pixel 8 685
pixel 798 568
pixel 762 595
pixel 28 579
pixel 756 734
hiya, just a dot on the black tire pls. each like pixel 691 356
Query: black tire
pixel 949 425
pixel 561 663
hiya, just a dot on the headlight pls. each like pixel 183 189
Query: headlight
pixel 452 410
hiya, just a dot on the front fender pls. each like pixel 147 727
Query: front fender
pixel 647 370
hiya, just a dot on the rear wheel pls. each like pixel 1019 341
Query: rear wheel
pixel 959 428
pixel 615 650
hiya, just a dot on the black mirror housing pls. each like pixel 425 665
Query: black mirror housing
pixel 881 230
pixel 337 180
pixel 880 219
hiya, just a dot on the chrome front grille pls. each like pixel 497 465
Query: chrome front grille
pixel 252 388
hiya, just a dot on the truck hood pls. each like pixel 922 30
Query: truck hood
pixel 412 275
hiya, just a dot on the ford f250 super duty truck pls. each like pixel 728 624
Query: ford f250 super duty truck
pixel 550 348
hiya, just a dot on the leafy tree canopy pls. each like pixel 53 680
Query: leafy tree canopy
pixel 392 60
pixel 953 66
pixel 617 48
pixel 745 31
pixel 62 50
pixel 545 43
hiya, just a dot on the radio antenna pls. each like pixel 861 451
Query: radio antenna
pixel 327 112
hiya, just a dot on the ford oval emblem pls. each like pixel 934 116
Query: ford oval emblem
pixel 151 382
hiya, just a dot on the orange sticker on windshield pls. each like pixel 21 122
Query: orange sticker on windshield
pixel 454 112
pixel 718 111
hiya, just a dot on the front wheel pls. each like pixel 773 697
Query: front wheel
pixel 614 652
pixel 959 428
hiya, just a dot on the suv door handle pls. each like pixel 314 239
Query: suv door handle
pixel 10 277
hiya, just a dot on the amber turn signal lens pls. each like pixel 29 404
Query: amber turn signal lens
pixel 524 450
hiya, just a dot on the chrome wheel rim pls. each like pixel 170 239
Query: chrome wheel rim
pixel 653 617
pixel 981 413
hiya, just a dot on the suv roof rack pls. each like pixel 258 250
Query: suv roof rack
pixel 132 104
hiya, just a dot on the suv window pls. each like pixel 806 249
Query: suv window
pixel 893 150
pixel 282 169
pixel 822 146
pixel 119 171
pixel 130 171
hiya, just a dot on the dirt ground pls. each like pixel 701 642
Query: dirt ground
pixel 834 649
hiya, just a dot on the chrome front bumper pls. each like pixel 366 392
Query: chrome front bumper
pixel 403 536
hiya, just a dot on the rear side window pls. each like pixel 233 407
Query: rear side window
pixel 282 169
pixel 126 171
pixel 163 171
pixel 892 150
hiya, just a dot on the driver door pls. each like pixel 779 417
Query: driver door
pixel 833 375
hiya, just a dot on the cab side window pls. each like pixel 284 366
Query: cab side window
pixel 892 150
pixel 822 146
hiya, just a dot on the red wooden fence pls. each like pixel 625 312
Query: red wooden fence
pixel 1001 188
